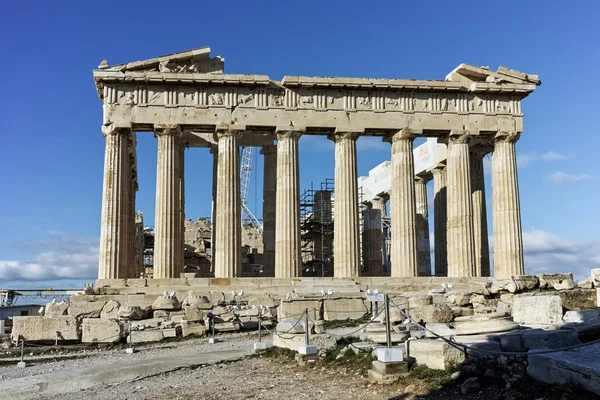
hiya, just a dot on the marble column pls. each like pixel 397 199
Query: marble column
pixel 214 150
pixel 482 250
pixel 439 211
pixel 228 238
pixel 422 224
pixel 459 228
pixel 508 239
pixel 288 261
pixel 269 204
pixel 181 219
pixel 346 239
pixel 378 203
pixel 113 256
pixel 403 206
pixel 168 238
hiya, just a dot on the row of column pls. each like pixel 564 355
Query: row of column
pixel 464 231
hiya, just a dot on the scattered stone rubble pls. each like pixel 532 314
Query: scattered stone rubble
pixel 490 316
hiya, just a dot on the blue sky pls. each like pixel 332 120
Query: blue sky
pixel 51 156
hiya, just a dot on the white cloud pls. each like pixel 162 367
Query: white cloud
pixel 564 177
pixel 61 256
pixel 528 158
pixel 548 253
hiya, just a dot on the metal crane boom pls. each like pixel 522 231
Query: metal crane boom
pixel 245 170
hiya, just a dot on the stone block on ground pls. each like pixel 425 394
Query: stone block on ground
pixel 193 329
pixel 110 309
pixel 419 300
pixel 227 326
pixel 578 368
pixel 459 298
pixel 578 299
pixel 101 330
pixel 475 326
pixel 129 312
pixel 532 339
pixel 595 275
pixel 293 326
pixel 435 313
pixel 435 353
pixel 396 316
pixel 548 281
pixel 387 368
pixel 145 336
pixel 45 328
pixel 86 309
pixel 295 308
pixel 193 313
pixel 339 309
pixel 582 317
pixel 166 303
pixel 200 301
pixel 537 309
pixel 293 342
pixel 147 323
pixel 54 309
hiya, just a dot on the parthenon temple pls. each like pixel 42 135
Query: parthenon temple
pixel 187 101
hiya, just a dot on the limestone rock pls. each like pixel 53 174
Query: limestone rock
pixel 292 342
pixel 200 301
pixel 54 309
pixel 396 317
pixel 227 326
pixel 194 313
pixel 514 284
pixel 586 284
pixel 339 309
pixel 582 317
pixel 461 311
pixel 435 313
pixel 420 300
pixel 110 309
pixel 86 309
pixel 435 353
pixel 193 329
pixel 480 287
pixel 152 323
pixel 595 275
pixel 45 328
pixel 550 280
pixel 566 284
pixel 578 299
pixel 471 385
pixel 145 336
pixel 537 309
pixel 291 326
pixel 101 330
pixel 128 312
pixel 295 308
pixel 166 303
pixel 459 298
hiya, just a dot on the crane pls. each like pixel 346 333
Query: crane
pixel 246 169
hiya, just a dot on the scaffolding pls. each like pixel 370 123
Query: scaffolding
pixel 316 224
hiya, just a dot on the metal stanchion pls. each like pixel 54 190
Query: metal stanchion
pixel 21 364
pixel 56 339
pixel 388 328
pixel 306 329
pixel 130 349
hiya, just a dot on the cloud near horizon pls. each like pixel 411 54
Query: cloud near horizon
pixel 528 158
pixel 564 177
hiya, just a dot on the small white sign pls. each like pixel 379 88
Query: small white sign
pixel 375 297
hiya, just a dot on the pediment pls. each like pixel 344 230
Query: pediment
pixel 469 74
pixel 196 61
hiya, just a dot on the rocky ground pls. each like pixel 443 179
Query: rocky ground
pixel 276 375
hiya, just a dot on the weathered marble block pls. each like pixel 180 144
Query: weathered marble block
pixel 101 330
pixel 537 309
pixel 86 309
pixel 435 353
pixel 343 309
pixel 45 328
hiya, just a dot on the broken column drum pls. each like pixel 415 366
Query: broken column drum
pixel 187 95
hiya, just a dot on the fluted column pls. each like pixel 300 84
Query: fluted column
pixel 288 261
pixel 181 218
pixel 482 250
pixel 269 203
pixel 214 150
pixel 439 211
pixel 422 224
pixel 508 239
pixel 113 256
pixel 403 206
pixel 228 254
pixel 460 237
pixel 346 239
pixel 168 238
pixel 378 204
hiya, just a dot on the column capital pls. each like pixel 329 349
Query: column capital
pixel 113 129
pixel 509 137
pixel 438 169
pixel 459 136
pixel 268 149
pixel 167 129
pixel 288 132
pixel 339 136
pixel 402 134
pixel 228 130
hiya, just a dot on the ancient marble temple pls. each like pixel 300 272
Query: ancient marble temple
pixel 186 100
